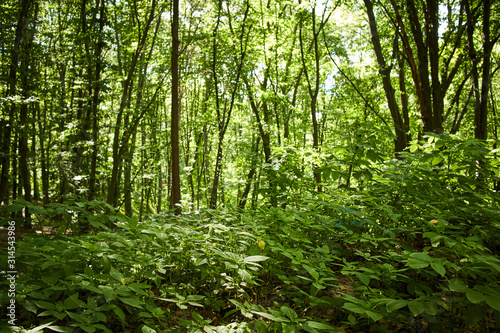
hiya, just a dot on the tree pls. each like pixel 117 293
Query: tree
pixel 401 141
pixel 174 127
pixel 120 141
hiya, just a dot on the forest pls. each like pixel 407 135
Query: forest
pixel 249 166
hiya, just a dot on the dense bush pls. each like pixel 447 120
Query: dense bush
pixel 415 248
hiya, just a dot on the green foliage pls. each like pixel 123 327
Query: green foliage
pixel 416 246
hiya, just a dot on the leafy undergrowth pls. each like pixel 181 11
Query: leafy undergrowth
pixel 276 270
pixel 416 251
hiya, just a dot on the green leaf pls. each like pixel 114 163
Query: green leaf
pixel 147 329
pixel 363 278
pixel 311 271
pixel 474 296
pixel 436 160
pixel 419 260
pixel 438 268
pixel 255 259
pixel 354 308
pixel 135 302
pixel 197 317
pixel 374 315
pixel 491 296
pixel 16 207
pixel 138 288
pixel 116 274
pixel 318 325
pixel 416 307
pixel 260 326
pixel 29 305
pixel 288 312
pixel 395 305
pixel 72 302
pixel 271 317
pixel 457 285
pixel 45 305
pixel 119 313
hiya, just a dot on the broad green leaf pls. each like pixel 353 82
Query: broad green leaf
pixel 77 317
pixel 119 312
pixel 416 307
pixel 288 312
pixel 319 326
pixel 116 274
pixel 195 297
pixel 147 329
pixel 138 288
pixel 311 271
pixel 457 285
pixel 28 305
pixel 436 160
pixel 290 328
pixel 72 302
pixel 438 268
pixel 255 259
pixel 45 305
pixel 260 326
pixel 197 316
pixel 135 302
pixel 271 317
pixel 374 315
pixel 473 314
pixel 354 308
pixel 363 278
pixel 395 305
pixel 431 308
pixel 15 207
pixel 474 296
pixel 491 296
pixel 419 260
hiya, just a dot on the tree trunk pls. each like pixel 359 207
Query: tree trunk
pixel 251 174
pixel 117 139
pixel 174 125
pixel 95 102
pixel 8 124
pixel 400 143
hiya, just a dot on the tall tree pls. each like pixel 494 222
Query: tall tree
pixel 174 124
pixel 21 38
pixel 480 63
pixel 120 141
pixel 224 113
pixel 401 141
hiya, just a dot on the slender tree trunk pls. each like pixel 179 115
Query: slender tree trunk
pixel 174 125
pixel 117 139
pixel 400 142
pixel 313 92
pixel 224 118
pixel 8 125
pixel 160 190
pixel 95 102
pixel 251 174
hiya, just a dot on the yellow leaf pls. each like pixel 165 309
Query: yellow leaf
pixel 434 221
pixel 261 244
pixel 123 281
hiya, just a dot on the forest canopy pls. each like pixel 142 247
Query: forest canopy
pixel 250 165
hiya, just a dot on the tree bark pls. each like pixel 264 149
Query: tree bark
pixel 174 122
pixel 117 150
pixel 95 102
pixel 8 125
pixel 400 143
